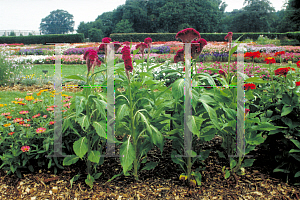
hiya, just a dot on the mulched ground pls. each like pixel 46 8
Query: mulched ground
pixel 160 183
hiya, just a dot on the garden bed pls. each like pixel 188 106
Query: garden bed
pixel 160 183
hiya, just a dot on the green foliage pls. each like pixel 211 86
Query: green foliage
pixel 95 35
pixel 57 22
pixel 123 27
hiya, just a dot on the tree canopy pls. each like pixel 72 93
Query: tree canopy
pixel 57 22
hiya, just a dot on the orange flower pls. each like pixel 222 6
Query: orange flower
pixel 11 133
pixel 8 117
pixel 6 125
pixel 25 148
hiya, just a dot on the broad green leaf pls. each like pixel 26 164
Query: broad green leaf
pixel 84 122
pixel 127 155
pixel 70 160
pixel 150 165
pixel 227 174
pixel 178 89
pixel 101 106
pixel 89 181
pixel 94 156
pixel 281 170
pixel 100 128
pixel 294 151
pixel 264 126
pixel 97 175
pixel 255 80
pixel 296 142
pixel 232 163
pixel 80 147
pixel 157 138
pixel 145 121
pixel 177 160
pixel 76 77
pixel 286 110
pixel 233 50
pixel 206 99
pixel 138 61
pixel 297 174
pixel 80 104
pixel 248 162
pixel 198 177
pixel 212 114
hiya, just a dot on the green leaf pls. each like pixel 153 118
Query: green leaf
pixel 232 163
pixel 80 104
pixel 84 122
pixel 221 154
pixel 297 174
pixel 101 106
pixel 178 89
pixel 127 155
pixel 212 114
pixel 138 61
pixel 248 162
pixel 89 181
pixel 233 50
pixel 135 51
pixel 286 110
pixel 75 77
pixel 75 178
pixel 227 174
pixel 255 80
pixel 150 165
pixel 198 177
pixel 94 156
pixel 70 160
pixel 264 126
pixel 100 128
pixel 296 142
pixel 157 138
pixel 115 176
pixel 80 147
pixel 97 175
pixel 235 41
pixel 122 112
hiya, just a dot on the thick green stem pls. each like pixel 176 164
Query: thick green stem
pixel 189 167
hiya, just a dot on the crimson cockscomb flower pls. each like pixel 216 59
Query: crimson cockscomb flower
pixel 117 45
pixel 142 46
pixel 127 60
pixel 188 35
pixel 197 47
pixel 148 41
pixel 179 56
pixel 247 111
pixel 250 86
pixel 91 58
pixel 126 43
pixel 298 83
pixel 106 40
pixel 222 72
pixel 229 38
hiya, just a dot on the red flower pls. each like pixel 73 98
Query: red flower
pixel 127 58
pixel 117 45
pixel 187 35
pixel 252 54
pixel 142 46
pixel 279 53
pixel 248 86
pixel 101 48
pixel 283 71
pixel 184 69
pixel 106 40
pixel 222 72
pixel 126 43
pixel 228 36
pixel 179 56
pixel 298 83
pixel 270 60
pixel 91 57
pixel 247 111
pixel 148 41
pixel 298 64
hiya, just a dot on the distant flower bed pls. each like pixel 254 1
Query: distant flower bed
pixel 40 51
pixel 78 51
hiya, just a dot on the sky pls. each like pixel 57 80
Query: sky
pixel 27 14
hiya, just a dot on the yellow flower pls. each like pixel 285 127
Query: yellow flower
pixel 5 104
pixel 29 98
pixel 64 95
pixel 44 90
pixel 1 105
pixel 6 125
pixel 38 94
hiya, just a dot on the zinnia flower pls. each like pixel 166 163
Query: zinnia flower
pixel 6 125
pixel 188 35
pixel 298 83
pixel 298 64
pixel 252 54
pixel 248 86
pixel 25 148
pixel 282 71
pixel 52 122
pixel 18 120
pixel 11 133
pixel 23 112
pixel 45 116
pixel 35 116
pixel 26 125
pixel 279 53
pixel 29 98
pixel 3 114
pixel 50 109
pixel 270 60
pixel 41 130
pixel 22 122
pixel 8 117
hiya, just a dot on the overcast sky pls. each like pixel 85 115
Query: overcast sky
pixel 27 14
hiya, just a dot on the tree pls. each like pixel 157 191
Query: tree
pixel 95 35
pixel 58 22
pixel 107 23
pixel 291 20
pixel 12 33
pixel 84 28
pixel 124 26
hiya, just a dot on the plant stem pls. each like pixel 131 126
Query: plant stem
pixel 189 167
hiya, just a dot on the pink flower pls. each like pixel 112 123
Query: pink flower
pixel 45 116
pixel 35 116
pixel 3 114
pixel 67 105
pixel 26 125
pixel 188 35
pixel 41 130
pixel 23 112
pixel 106 40
pixel 148 41
pixel 18 120
pixel 52 122
pixel 50 109
pixel 127 58
pixel 247 111
pixel 66 100
pixel 142 46
pixel 25 148
pixel 126 43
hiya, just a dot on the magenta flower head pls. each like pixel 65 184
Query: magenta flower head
pixel 188 35
pixel 179 56
pixel 142 46
pixel 102 47
pixel 126 43
pixel 197 47
pixel 106 40
pixel 127 58
pixel 148 41
pixel 91 58
pixel 228 36
pixel 117 45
